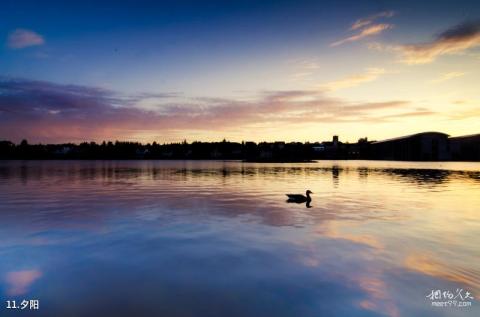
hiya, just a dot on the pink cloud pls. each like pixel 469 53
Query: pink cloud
pixel 21 38
pixel 47 112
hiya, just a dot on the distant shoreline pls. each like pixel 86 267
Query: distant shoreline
pixel 226 160
pixel 282 161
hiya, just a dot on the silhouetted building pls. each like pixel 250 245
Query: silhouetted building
pixel 426 146
pixel 330 149
pixel 335 141
pixel 465 148
pixel 318 148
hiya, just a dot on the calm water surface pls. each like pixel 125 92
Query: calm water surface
pixel 183 238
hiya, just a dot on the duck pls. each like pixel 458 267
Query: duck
pixel 298 198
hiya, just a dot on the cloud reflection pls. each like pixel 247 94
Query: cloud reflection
pixel 19 282
pixel 427 264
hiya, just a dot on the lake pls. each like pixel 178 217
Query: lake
pixel 213 238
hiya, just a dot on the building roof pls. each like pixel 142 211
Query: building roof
pixel 410 136
pixel 465 136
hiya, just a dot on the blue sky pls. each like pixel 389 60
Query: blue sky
pixel 240 52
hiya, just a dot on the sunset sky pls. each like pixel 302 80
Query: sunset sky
pixel 240 70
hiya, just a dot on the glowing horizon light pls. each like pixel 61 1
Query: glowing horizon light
pixel 223 73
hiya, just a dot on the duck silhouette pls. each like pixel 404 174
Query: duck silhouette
pixel 299 199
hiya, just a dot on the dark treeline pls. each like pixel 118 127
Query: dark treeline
pixel 426 146
pixel 225 150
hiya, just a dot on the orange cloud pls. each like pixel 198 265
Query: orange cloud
pixel 452 41
pixel 466 114
pixel 366 32
pixel 369 20
pixel 304 69
pixel 448 76
pixel 371 74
